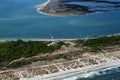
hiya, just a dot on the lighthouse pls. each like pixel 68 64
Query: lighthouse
pixel 52 39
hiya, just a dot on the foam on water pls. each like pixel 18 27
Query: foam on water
pixel 93 74
pixel 82 76
pixel 72 78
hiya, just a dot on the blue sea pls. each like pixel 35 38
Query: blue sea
pixel 19 19
pixel 106 74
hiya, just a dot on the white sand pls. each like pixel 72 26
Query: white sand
pixel 4 40
pixel 40 7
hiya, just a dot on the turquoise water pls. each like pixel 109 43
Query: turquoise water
pixel 19 19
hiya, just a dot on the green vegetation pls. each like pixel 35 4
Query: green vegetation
pixel 66 56
pixel 95 43
pixel 12 50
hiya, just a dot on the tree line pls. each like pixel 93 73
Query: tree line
pixel 12 50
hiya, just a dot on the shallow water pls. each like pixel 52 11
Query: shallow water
pixel 20 19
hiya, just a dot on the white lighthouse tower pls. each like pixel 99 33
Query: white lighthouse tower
pixel 52 40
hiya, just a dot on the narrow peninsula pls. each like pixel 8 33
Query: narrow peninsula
pixel 77 7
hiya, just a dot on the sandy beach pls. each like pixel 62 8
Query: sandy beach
pixel 4 40
pixel 78 71
pixel 42 6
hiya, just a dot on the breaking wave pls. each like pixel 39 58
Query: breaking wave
pixel 93 74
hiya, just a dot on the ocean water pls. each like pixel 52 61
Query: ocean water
pixel 107 74
pixel 19 19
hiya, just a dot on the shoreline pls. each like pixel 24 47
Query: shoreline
pixel 41 6
pixel 78 71
pixel 55 39
pixel 57 8
pixel 61 39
